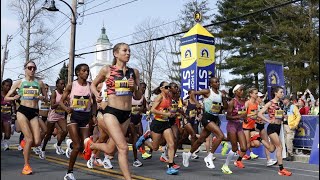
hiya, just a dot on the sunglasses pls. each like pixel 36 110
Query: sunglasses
pixel 32 67
pixel 166 87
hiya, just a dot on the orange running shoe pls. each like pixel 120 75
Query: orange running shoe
pixel 239 164
pixel 87 151
pixel 23 143
pixel 284 172
pixel 27 169
pixel 246 157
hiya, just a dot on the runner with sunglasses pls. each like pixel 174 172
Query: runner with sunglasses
pixel 27 114
pixel 160 127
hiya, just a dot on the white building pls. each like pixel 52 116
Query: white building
pixel 104 57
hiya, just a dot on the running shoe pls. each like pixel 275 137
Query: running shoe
pixel 198 150
pixel 255 137
pixel 5 145
pixel 107 163
pixel 68 150
pixel 137 163
pixel 246 157
pixel 176 166
pixel 90 163
pixel 253 156
pixel 271 162
pixel 213 158
pixel 69 176
pixel 209 162
pixel 186 157
pixel 27 169
pixel 36 150
pixel 146 156
pixel 172 171
pixel 176 155
pixel 98 162
pixel 284 172
pixel 239 164
pixel 59 150
pixel 22 143
pixel 20 148
pixel 87 151
pixel 194 156
pixel 225 169
pixel 224 148
pixel 42 154
pixel 163 158
pixel 142 138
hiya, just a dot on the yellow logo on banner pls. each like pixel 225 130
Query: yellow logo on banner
pixel 188 55
pixel 205 54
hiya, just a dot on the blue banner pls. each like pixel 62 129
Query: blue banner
pixel 204 75
pixel 314 157
pixel 274 75
pixel 188 79
pixel 305 134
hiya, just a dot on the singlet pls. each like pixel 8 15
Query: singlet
pixel 252 109
pixel 238 109
pixel 104 93
pixel 80 97
pixel 117 82
pixel 164 107
pixel 59 109
pixel 213 103
pixel 6 107
pixel 275 111
pixel 191 110
pixel 29 90
pixel 43 106
pixel 136 104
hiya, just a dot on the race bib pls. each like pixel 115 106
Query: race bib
pixel 242 111
pixel 122 88
pixel 215 108
pixel 45 106
pixel 60 111
pixel 174 107
pixel 192 113
pixel 278 114
pixel 30 93
pixel 5 109
pixel 80 103
pixel 135 110
pixel 253 114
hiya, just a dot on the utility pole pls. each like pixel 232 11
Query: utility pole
pixel 5 56
pixel 72 42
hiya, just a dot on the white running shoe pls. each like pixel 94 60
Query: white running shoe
pixel 20 148
pixel 271 162
pixel 59 150
pixel 5 145
pixel 90 163
pixel 68 150
pixel 137 163
pixel 194 156
pixel 69 176
pixel 97 162
pixel 107 163
pixel 36 150
pixel 42 154
pixel 209 162
pixel 186 157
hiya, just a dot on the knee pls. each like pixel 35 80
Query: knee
pixel 279 147
pixel 76 147
pixel 170 145
pixel 123 149
pixel 28 140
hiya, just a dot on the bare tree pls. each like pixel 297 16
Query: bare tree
pixel 147 53
pixel 35 36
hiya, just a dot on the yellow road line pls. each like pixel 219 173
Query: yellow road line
pixel 107 172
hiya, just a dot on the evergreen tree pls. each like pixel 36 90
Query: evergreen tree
pixel 64 73
pixel 285 34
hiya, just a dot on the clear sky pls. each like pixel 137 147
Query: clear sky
pixel 119 22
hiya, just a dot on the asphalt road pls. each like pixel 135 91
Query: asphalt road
pixel 55 166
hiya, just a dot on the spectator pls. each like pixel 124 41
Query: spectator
pixel 291 120
pixel 302 109
pixel 315 108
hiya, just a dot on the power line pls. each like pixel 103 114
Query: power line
pixel 110 8
pixel 178 33
pixel 95 6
